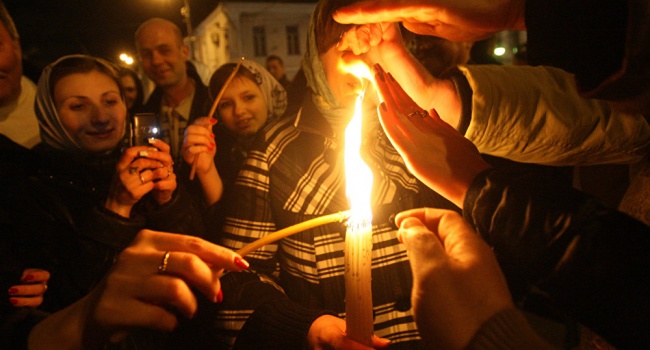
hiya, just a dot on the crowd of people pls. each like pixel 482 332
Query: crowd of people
pixel 107 243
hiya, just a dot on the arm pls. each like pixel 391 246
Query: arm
pixel 199 147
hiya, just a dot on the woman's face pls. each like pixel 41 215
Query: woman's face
pixel 130 90
pixel 242 107
pixel 91 110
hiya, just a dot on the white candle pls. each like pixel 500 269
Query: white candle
pixel 358 238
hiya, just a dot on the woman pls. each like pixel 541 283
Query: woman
pixel 83 218
pixel 251 100
pixel 133 91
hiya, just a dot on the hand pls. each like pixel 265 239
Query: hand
pixel 199 145
pixel 433 151
pixel 468 20
pixel 457 282
pixel 140 170
pixel 31 290
pixel 142 290
pixel 328 332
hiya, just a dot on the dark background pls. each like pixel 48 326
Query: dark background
pixel 52 28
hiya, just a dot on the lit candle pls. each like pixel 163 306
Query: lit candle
pixel 358 237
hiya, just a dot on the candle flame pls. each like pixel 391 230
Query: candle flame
pixel 358 175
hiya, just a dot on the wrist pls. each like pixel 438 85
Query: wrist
pixel 117 208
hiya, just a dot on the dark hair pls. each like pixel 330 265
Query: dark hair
pixel 138 103
pixel 220 76
pixel 83 64
pixel 8 22
pixel 270 58
pixel 328 32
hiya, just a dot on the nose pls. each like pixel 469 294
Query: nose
pixel 100 115
pixel 238 108
pixel 156 58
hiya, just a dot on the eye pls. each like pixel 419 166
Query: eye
pixel 76 106
pixel 112 101
pixel 249 97
pixel 225 104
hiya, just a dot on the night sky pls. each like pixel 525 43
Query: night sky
pixel 52 28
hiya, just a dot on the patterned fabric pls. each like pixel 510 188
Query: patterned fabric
pixel 296 174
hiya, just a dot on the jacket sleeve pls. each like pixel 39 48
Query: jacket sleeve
pixel 591 261
pixel 535 115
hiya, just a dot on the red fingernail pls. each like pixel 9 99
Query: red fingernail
pixel 212 144
pixel 212 135
pixel 241 263
pixel 383 107
pixel 380 75
pixel 390 76
pixel 213 121
pixel 28 277
pixel 210 148
pixel 13 301
pixel 220 296
pixel 13 291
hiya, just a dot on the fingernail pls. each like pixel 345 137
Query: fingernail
pixel 380 75
pixel 241 263
pixel 13 301
pixel 213 121
pixel 210 148
pixel 399 237
pixel 390 76
pixel 212 135
pixel 383 106
pixel 212 144
pixel 143 154
pixel 151 140
pixel 220 296
pixel 28 277
pixel 13 291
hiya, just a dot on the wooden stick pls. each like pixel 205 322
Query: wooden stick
pixel 214 108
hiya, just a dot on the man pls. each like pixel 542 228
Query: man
pixel 275 66
pixel 179 96
pixel 17 92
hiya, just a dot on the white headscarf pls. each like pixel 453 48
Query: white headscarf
pixel 52 131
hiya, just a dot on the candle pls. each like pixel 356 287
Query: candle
pixel 358 237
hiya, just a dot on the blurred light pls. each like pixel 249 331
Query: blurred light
pixel 126 59
pixel 499 51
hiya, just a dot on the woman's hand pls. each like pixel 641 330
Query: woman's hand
pixel 142 169
pixel 328 332
pixel 149 286
pixel 457 282
pixel 433 151
pixel 30 291
pixel 199 145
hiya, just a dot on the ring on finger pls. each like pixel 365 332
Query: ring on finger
pixel 133 170
pixel 169 172
pixel 142 179
pixel 162 268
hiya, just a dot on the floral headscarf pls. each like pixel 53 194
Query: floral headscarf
pixel 53 133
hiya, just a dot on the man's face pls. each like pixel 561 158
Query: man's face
pixel 11 68
pixel 275 68
pixel 162 54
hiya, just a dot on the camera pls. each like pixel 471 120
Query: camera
pixel 143 127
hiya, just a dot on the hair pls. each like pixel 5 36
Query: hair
pixel 220 76
pixel 81 65
pixel 123 71
pixel 177 31
pixel 270 58
pixel 328 32
pixel 8 22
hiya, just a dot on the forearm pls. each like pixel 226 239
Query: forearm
pixel 211 184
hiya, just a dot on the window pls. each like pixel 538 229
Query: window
pixel 293 40
pixel 259 41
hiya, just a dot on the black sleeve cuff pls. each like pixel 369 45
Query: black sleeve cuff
pixel 465 93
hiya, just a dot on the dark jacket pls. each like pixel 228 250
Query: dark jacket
pixel 589 261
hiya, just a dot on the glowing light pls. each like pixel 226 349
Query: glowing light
pixel 499 51
pixel 126 59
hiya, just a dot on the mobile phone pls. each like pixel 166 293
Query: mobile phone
pixel 143 127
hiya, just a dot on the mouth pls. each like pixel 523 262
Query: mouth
pixel 101 134
pixel 244 123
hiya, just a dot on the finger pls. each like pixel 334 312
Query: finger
pixel 28 290
pixel 420 242
pixel 380 343
pixel 173 292
pixel 374 12
pixel 35 275
pixel 195 272
pixel 216 256
pixel 161 145
pixel 164 174
pixel 136 313
pixel 34 301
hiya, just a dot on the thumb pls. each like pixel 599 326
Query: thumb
pixel 421 244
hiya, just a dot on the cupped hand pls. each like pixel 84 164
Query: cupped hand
pixel 470 20
pixel 30 291
pixel 328 332
pixel 457 282
pixel 433 151
pixel 199 145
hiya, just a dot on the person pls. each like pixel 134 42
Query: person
pixel 17 92
pixel 294 172
pixel 133 91
pixel 275 65
pixel 251 100
pixel 565 242
pixel 554 29
pixel 460 297
pixel 179 96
